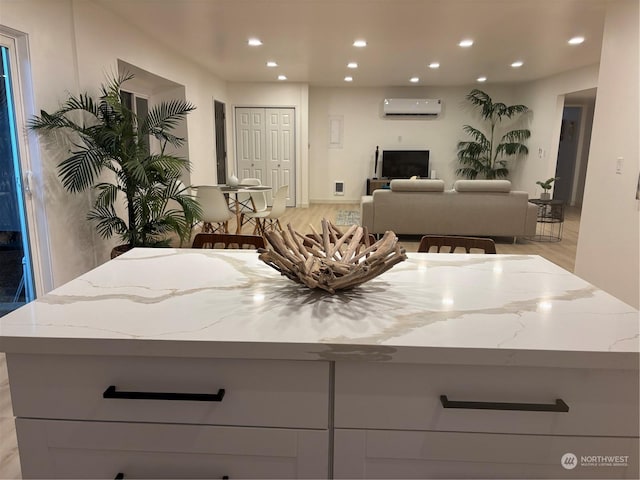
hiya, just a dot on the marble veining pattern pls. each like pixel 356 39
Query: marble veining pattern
pixel 432 300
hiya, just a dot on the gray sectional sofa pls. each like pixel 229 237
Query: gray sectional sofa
pixel 473 207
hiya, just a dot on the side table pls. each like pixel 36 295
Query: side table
pixel 376 183
pixel 550 219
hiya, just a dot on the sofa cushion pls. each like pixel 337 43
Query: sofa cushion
pixel 503 186
pixel 417 185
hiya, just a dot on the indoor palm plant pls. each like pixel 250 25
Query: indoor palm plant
pixel 486 155
pixel 110 154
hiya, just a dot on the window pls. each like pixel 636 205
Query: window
pixel 139 105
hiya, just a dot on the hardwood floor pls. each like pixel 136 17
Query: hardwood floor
pixel 561 253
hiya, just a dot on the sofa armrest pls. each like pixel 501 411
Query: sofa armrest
pixel 366 212
pixel 531 219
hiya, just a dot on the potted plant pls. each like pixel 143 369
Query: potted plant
pixel 546 186
pixel 110 155
pixel 486 155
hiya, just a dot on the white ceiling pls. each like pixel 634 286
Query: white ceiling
pixel 312 39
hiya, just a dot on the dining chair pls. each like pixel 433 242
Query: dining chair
pixel 227 240
pixel 215 209
pixel 269 219
pixel 487 245
pixel 257 200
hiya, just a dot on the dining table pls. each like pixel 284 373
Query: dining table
pixel 237 204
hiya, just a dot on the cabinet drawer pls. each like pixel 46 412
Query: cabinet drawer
pixel 407 454
pixel 407 397
pixel 256 392
pixel 76 449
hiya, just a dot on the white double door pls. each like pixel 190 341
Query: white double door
pixel 265 147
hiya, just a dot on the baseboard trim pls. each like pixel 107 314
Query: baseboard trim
pixel 344 202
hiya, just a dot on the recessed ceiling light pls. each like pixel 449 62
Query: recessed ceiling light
pixel 254 42
pixel 576 40
pixel 348 79
pixel 466 43
pixel 360 43
pixel 272 64
pixel 414 79
pixel 352 65
pixel 282 77
pixel 434 65
pixel 481 79
pixel 517 64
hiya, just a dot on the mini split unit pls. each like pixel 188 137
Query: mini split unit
pixel 411 106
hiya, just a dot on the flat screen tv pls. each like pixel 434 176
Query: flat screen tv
pixel 405 163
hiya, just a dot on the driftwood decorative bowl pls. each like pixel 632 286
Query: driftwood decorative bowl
pixel 331 260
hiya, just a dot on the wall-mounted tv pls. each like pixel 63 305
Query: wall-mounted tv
pixel 405 163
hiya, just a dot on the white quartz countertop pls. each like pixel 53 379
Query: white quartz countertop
pixel 442 308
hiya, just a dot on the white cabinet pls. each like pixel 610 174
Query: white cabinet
pixel 265 393
pixel 413 454
pixel 293 419
pixel 392 421
pixel 80 449
pixel 259 418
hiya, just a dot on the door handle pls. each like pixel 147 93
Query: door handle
pixel 27 182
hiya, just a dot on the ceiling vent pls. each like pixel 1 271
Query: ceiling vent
pixel 412 107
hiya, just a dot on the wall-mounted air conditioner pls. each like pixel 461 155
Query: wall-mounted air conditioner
pixel 412 106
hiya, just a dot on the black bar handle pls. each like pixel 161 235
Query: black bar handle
pixel 558 406
pixel 111 392
pixel 120 476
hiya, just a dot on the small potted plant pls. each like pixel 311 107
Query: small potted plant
pixel 546 186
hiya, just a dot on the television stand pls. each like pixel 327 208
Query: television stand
pixel 376 183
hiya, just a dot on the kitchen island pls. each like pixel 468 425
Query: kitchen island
pixel 207 363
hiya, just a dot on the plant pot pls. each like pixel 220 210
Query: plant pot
pixel 545 196
pixel 119 250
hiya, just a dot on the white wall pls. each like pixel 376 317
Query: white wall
pixel 294 95
pixel 607 253
pixel 51 38
pixel 365 128
pixel 73 45
pixel 102 38
pixel 545 99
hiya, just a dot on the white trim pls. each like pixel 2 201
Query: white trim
pixel 339 201
pixel 30 160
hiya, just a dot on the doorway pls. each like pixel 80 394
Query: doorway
pixel 221 141
pixel 573 147
pixel 265 148
pixel 16 276
pixel 567 154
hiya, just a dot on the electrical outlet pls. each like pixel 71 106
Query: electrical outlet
pixel 338 188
